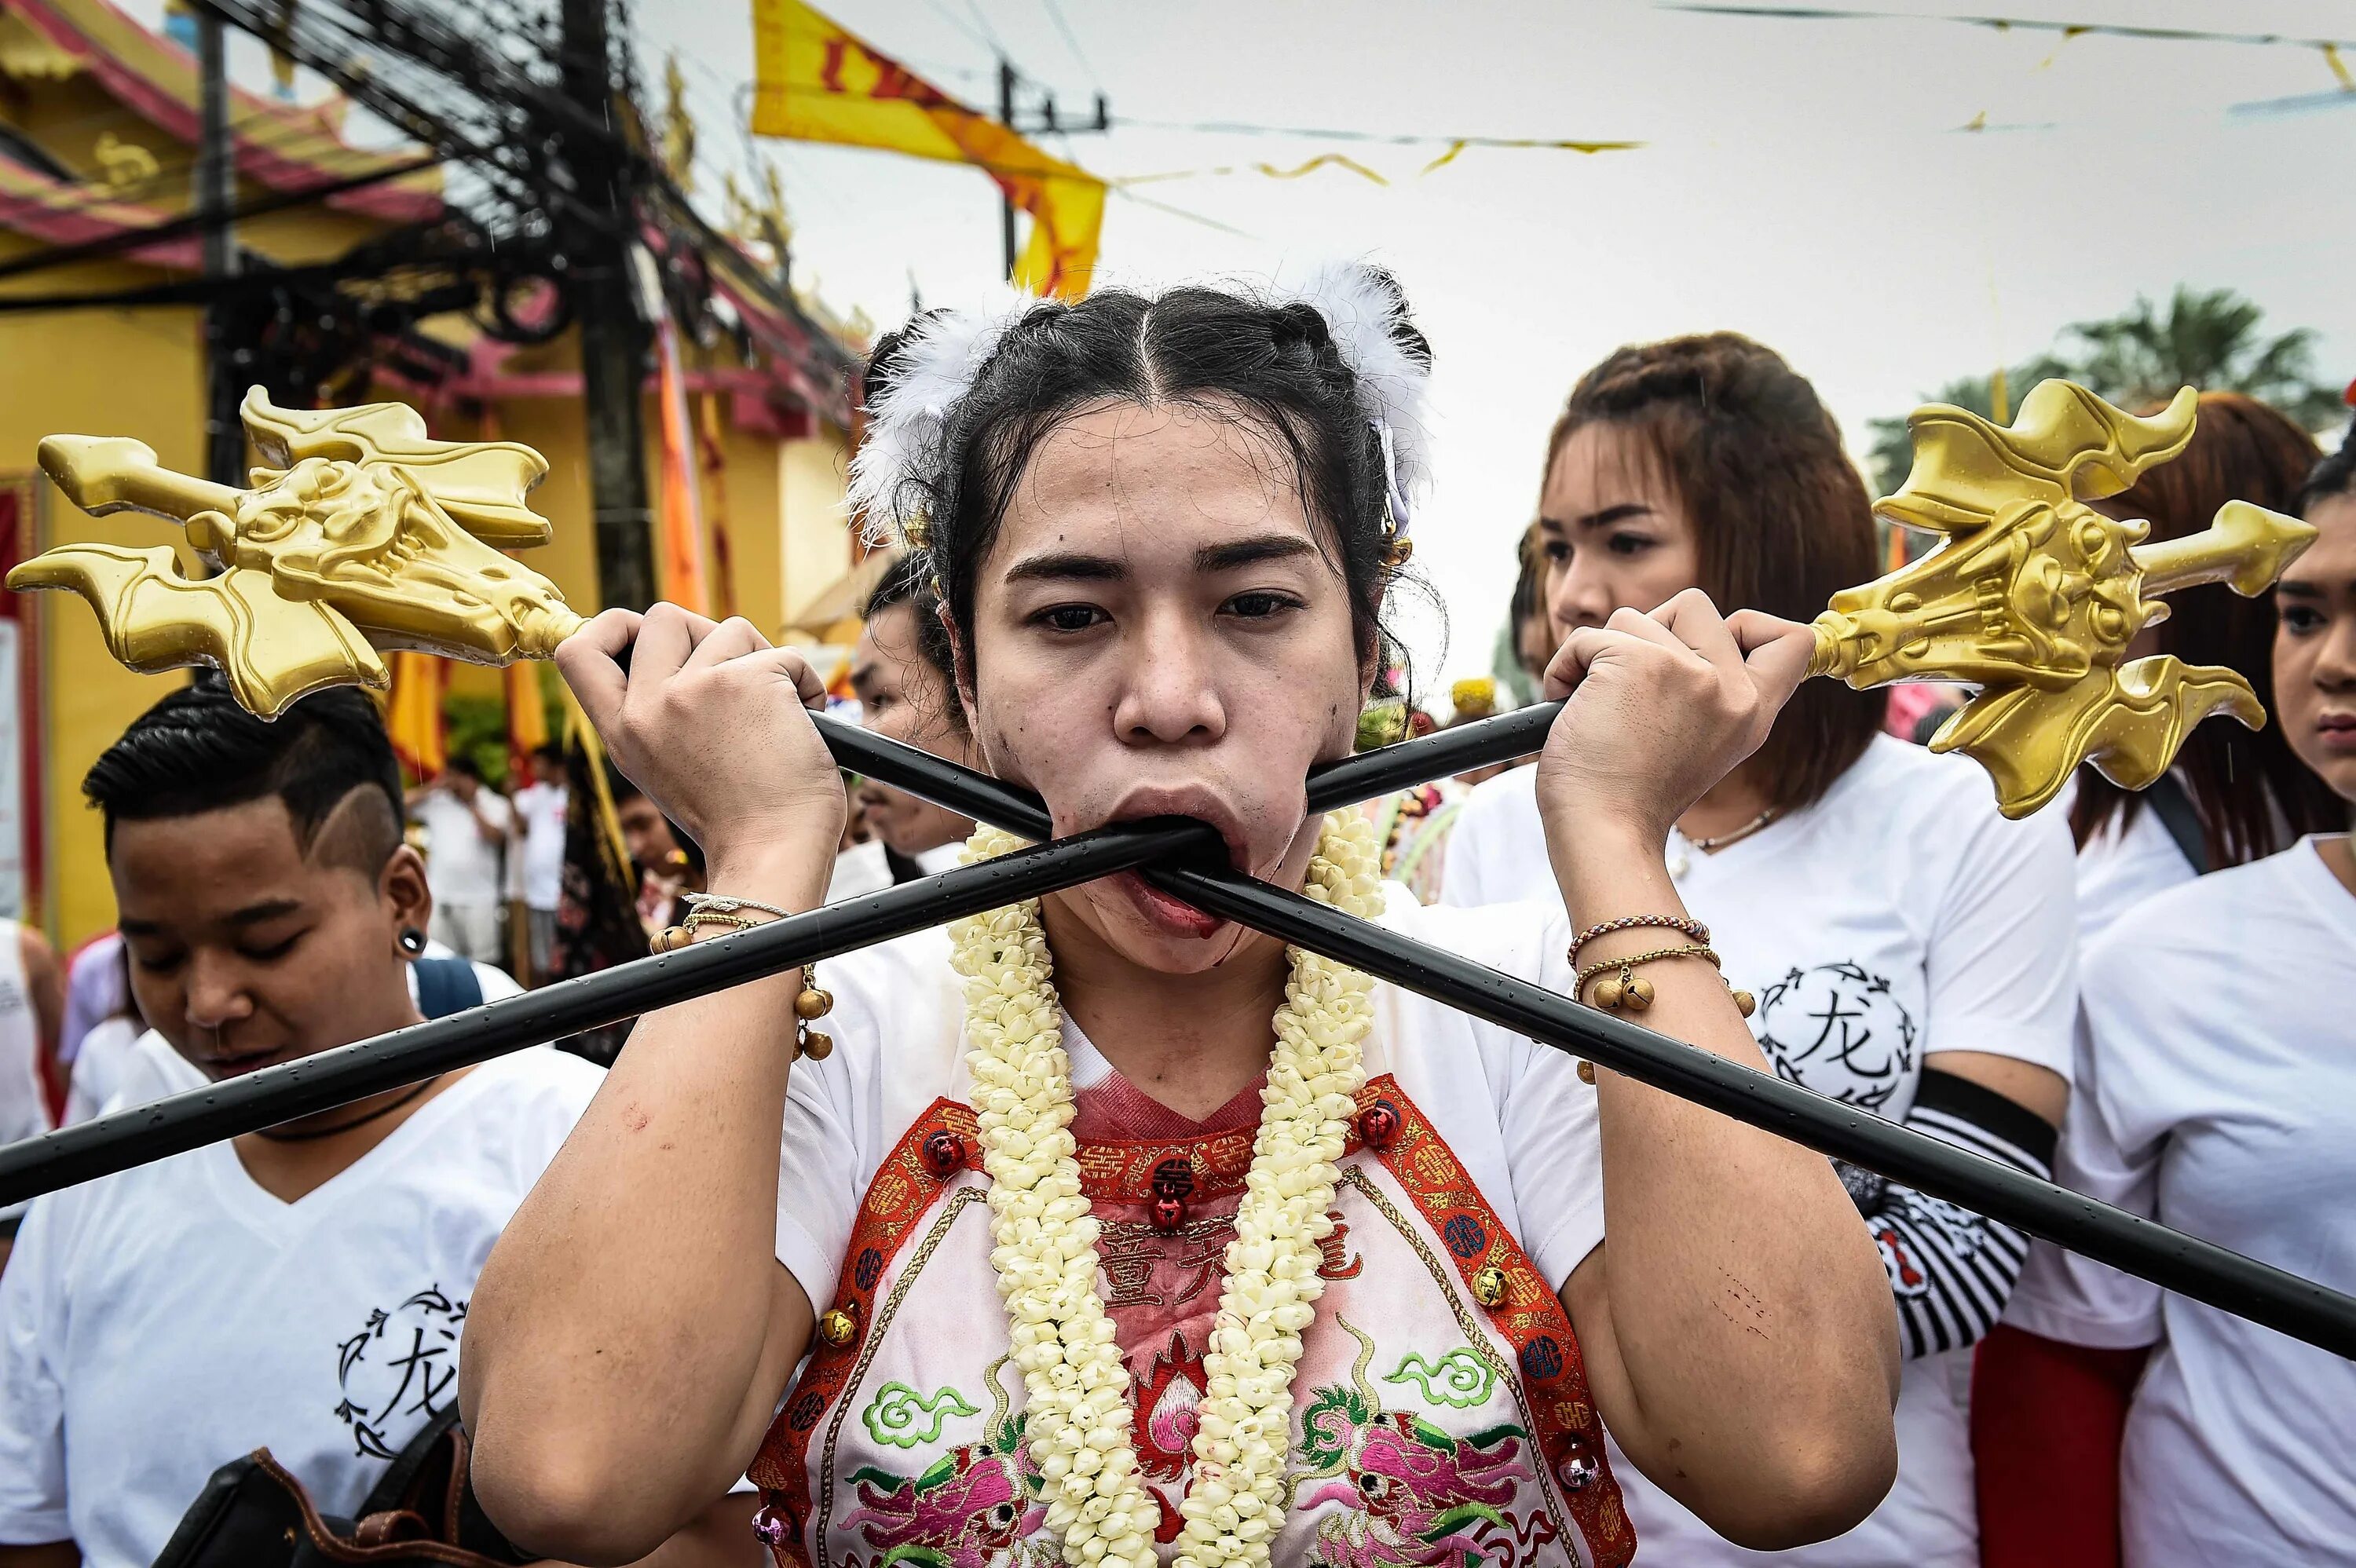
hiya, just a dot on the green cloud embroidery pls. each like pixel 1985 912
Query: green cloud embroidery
pixel 1461 1380
pixel 891 1417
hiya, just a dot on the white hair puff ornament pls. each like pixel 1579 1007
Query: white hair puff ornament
pixel 945 351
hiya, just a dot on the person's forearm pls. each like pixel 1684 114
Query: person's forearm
pixel 1752 1336
pixel 633 1330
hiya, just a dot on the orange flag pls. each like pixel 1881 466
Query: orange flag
pixel 414 714
pixel 682 498
pixel 814 81
pixel 527 716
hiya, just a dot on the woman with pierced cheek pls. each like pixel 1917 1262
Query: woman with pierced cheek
pixel 299 1288
pixel 2216 1094
pixel 1103 1231
pixel 1909 949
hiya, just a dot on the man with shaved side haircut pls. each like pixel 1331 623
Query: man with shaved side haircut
pixel 301 1288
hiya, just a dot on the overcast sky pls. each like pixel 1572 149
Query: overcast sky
pixel 1802 182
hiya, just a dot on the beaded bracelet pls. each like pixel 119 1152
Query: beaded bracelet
pixel 1692 928
pixel 1633 992
pixel 811 1003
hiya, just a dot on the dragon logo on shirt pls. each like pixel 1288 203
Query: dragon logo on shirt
pixel 403 1364
pixel 1839 1030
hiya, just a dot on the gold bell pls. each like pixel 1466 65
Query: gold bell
pixel 1637 993
pixel 1586 1070
pixel 814 1002
pixel 670 939
pixel 1745 1003
pixel 837 1327
pixel 1489 1284
pixel 817 1044
pixel 1608 993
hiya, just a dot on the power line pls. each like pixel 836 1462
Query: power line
pixel 1236 128
pixel 205 222
pixel 1056 15
pixel 2004 24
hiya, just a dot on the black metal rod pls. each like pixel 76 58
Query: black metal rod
pixel 315 1084
pixel 2186 1265
pixel 1331 785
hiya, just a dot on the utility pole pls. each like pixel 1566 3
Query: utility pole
pixel 1006 80
pixel 216 197
pixel 1009 80
pixel 612 338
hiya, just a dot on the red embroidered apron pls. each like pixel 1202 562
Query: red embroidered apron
pixel 1441 1414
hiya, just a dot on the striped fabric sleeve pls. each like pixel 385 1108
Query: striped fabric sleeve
pixel 1951 1270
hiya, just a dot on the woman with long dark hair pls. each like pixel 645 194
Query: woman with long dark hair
pixel 2216 1094
pixel 2234 795
pixel 1909 949
pixel 1114 1233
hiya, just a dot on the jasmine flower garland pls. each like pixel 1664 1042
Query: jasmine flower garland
pixel 1078 1420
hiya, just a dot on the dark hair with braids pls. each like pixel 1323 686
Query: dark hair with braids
pixel 1780 514
pixel 1278 364
pixel 2246 785
pixel 197 751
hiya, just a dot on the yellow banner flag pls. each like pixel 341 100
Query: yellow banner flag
pixel 814 81
pixel 413 713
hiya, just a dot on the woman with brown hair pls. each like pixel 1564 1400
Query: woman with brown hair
pixel 1909 949
pixel 2235 795
pixel 2216 1094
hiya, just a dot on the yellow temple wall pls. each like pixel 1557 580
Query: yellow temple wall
pixel 101 372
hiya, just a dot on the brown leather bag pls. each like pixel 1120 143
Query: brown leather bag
pixel 252 1514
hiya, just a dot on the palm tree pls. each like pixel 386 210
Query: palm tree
pixel 2207 340
pixel 2210 339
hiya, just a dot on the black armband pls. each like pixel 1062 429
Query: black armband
pixel 1951 1270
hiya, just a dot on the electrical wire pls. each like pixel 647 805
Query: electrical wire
pixel 2002 24
pixel 1238 128
pixel 1056 15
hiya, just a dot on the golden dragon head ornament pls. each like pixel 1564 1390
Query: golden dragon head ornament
pixel 2033 596
pixel 361 534
pixel 358 534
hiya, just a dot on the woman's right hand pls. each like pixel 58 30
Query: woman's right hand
pixel 1660 707
pixel 711 722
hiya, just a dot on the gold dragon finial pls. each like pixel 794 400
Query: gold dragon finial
pixel 2033 596
pixel 358 534
pixel 363 535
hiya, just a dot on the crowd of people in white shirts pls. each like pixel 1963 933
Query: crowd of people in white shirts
pixel 2144 997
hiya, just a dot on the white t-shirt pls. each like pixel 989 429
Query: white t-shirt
pixel 1898 916
pixel 2119 867
pixel 462 867
pixel 157 1324
pixel 24 1114
pixel 1514 1111
pixel 149 1068
pixel 100 1066
pixel 2217 1093
pixel 541 808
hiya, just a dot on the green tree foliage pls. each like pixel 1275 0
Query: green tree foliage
pixel 2206 339
pixel 2210 340
pixel 1891 453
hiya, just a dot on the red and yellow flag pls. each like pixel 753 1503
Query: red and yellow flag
pixel 814 81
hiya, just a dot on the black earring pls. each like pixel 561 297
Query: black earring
pixel 412 941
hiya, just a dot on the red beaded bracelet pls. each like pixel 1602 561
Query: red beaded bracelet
pixel 1692 928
